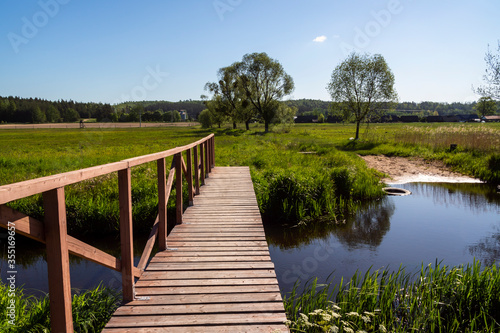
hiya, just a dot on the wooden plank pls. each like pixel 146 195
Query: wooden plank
pixel 209 265
pixel 187 259
pixel 181 252
pixel 249 328
pixel 126 234
pixel 206 290
pixel 205 282
pixel 58 261
pixel 199 308
pixel 219 274
pixel 209 299
pixel 218 244
pixel 198 319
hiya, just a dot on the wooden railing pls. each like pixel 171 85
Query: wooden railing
pixel 53 231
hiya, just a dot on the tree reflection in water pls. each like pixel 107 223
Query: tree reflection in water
pixel 367 227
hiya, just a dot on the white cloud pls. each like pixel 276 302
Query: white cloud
pixel 319 39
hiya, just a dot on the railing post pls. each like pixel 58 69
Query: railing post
pixel 196 171
pixel 126 234
pixel 61 319
pixel 162 204
pixel 202 163
pixel 212 140
pixel 207 159
pixel 189 176
pixel 178 187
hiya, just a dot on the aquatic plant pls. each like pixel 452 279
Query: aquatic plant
pixel 436 299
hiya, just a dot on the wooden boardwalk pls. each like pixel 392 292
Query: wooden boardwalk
pixel 217 275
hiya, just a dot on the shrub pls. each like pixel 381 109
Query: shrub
pixel 205 119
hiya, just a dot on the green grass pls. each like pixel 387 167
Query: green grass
pixel 437 299
pixel 92 309
pixel 476 155
pixel 301 173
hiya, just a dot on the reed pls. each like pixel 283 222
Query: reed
pixel 436 299
pixel 92 309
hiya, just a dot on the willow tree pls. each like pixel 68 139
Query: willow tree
pixel 492 75
pixel 265 83
pixel 227 94
pixel 361 87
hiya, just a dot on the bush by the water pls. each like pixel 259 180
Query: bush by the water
pixel 92 309
pixel 437 299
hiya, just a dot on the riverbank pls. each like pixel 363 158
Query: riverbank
pixel 401 170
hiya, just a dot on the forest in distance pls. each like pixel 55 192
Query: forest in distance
pixel 35 110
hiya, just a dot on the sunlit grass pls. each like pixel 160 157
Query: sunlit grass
pixel 437 299
pixel 91 310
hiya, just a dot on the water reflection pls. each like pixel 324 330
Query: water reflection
pixel 487 249
pixel 476 197
pixel 366 228
pixel 451 223
pixel 31 264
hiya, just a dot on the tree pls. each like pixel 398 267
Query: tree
pixel 205 118
pixel 362 85
pixel 215 107
pixel 37 115
pixel 53 115
pixel 492 76
pixel 486 106
pixel 176 116
pixel 230 94
pixel 265 83
pixel 70 115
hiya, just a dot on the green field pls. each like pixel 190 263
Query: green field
pixel 306 175
pixel 301 173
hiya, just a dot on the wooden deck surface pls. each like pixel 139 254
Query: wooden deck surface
pixel 217 275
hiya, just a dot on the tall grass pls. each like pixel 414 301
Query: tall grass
pixel 92 309
pixel 291 186
pixel 437 299
pixel 476 153
pixel 466 137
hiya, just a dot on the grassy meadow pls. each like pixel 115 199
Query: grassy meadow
pixel 310 175
pixel 301 173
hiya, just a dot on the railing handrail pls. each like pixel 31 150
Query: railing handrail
pixel 30 187
pixel 53 231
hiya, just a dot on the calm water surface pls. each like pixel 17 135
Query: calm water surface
pixel 452 223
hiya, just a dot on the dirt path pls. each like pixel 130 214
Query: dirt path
pixel 406 170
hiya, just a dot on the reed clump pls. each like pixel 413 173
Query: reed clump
pixel 466 137
pixel 92 309
pixel 437 299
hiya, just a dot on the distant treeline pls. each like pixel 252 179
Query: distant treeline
pixel 312 107
pixel 192 108
pixel 35 110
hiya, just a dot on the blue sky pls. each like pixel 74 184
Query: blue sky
pixel 112 51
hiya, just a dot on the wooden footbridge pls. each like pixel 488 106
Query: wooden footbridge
pixel 213 272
